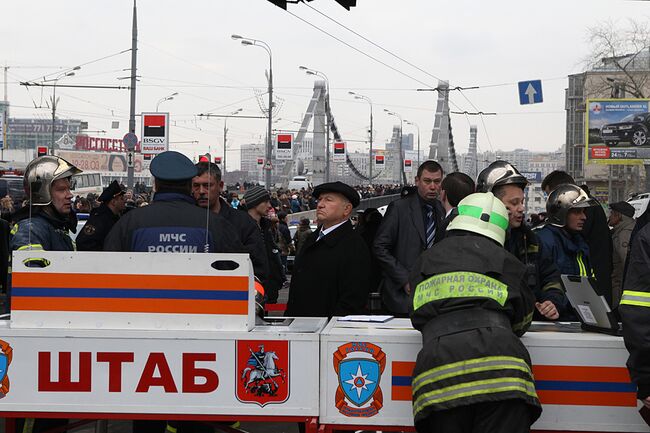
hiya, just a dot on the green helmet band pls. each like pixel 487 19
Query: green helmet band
pixel 477 212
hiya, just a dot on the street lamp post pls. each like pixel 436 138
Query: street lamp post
pixel 269 146
pixel 401 153
pixel 166 98
pixel 54 100
pixel 418 127
pixel 327 116
pixel 369 101
pixel 225 140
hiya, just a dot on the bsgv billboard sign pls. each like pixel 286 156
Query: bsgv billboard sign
pixel 155 132
pixel 617 131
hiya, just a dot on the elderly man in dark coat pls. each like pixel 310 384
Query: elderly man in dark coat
pixel 330 275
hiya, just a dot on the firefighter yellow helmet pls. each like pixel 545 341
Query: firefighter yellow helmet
pixel 39 175
pixel 484 214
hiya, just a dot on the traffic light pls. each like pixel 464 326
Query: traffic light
pixel 41 151
pixel 283 3
pixel 347 3
pixel 205 158
pixel 280 3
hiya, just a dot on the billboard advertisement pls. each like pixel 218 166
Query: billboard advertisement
pixel 339 151
pixel 284 147
pixel 155 132
pixel 103 162
pixel 617 131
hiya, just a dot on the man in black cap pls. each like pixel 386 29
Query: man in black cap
pixel 621 219
pixel 173 223
pixel 330 276
pixel 258 203
pixel 103 218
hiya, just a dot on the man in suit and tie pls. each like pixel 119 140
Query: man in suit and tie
pixel 410 226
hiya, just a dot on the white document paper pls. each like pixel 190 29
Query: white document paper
pixel 587 315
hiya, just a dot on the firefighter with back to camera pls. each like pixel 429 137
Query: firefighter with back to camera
pixel 471 304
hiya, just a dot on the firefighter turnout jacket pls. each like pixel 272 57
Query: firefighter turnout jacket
pixel 471 303
pixel 635 312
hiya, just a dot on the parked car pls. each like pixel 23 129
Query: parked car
pixel 298 183
pixel 633 128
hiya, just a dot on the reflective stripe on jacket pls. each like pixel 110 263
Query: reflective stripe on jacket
pixel 635 312
pixel 470 302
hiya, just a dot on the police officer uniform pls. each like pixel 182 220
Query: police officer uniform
pixel 101 221
pixel 468 300
pixel 172 222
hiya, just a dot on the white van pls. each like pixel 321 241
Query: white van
pixel 298 183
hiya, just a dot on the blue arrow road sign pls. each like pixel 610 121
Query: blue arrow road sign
pixel 530 92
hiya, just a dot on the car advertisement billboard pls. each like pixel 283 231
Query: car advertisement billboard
pixel 618 131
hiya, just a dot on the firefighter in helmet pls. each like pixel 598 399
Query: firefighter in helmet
pixel 542 276
pixel 43 224
pixel 47 183
pixel 561 238
pixel 471 305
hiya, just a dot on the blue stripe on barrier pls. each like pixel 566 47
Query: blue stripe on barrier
pixel 402 380
pixel 556 385
pixel 224 295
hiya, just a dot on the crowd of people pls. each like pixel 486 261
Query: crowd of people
pixel 454 254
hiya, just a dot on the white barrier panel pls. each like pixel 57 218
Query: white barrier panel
pixel 581 378
pixel 262 372
pixel 161 291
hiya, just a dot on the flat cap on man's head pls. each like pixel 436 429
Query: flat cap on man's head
pixel 112 190
pixel 339 187
pixel 624 208
pixel 172 166
pixel 256 195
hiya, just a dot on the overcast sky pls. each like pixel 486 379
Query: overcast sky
pixel 185 47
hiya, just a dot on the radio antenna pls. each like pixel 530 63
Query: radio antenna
pixel 206 247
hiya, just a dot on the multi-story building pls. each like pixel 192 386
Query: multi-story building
pixel 29 133
pixel 249 154
pixel 606 80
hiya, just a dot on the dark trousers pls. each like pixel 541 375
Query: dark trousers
pixel 39 424
pixel 508 416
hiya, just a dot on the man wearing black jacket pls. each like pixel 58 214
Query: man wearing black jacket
pixel 258 203
pixel 330 275
pixel 410 226
pixel 206 189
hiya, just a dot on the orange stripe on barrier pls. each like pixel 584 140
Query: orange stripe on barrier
pixel 583 398
pixel 128 281
pixel 401 393
pixel 403 368
pixel 581 374
pixel 120 305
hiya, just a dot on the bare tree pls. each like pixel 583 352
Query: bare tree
pixel 622 53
